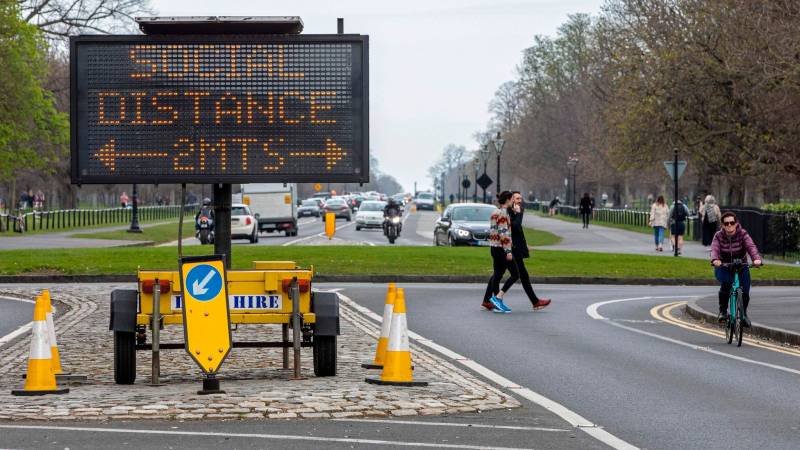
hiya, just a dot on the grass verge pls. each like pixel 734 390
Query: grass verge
pixel 621 226
pixel 159 234
pixel 361 260
pixel 539 238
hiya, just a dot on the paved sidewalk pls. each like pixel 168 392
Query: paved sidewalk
pixel 256 387
pixel 62 239
pixel 776 316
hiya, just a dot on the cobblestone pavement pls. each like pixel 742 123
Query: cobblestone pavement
pixel 255 384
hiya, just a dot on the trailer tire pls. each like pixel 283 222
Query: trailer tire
pixel 325 356
pixel 124 357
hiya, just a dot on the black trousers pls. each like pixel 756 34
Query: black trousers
pixel 585 217
pixel 500 264
pixel 524 279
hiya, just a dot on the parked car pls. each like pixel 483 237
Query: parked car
pixel 463 224
pixel 339 207
pixel 370 215
pixel 424 200
pixel 310 207
pixel 243 223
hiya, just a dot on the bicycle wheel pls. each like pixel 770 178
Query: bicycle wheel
pixel 739 318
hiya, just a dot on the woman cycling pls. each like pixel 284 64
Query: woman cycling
pixel 729 243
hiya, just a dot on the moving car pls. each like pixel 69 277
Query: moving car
pixel 243 223
pixel 463 224
pixel 424 200
pixel 370 215
pixel 339 207
pixel 310 207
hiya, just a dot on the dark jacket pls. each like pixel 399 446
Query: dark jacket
pixel 586 205
pixel 727 248
pixel 519 245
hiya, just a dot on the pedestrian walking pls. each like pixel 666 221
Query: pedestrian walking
pixel 501 249
pixel 585 208
pixel 677 216
pixel 123 199
pixel 709 217
pixel 553 205
pixel 659 215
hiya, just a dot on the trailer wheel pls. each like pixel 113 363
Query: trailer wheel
pixel 124 357
pixel 325 356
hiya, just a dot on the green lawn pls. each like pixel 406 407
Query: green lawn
pixel 638 229
pixel 363 260
pixel 539 238
pixel 166 232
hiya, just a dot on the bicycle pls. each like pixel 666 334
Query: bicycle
pixel 734 324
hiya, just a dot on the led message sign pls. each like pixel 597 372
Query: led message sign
pixel 219 109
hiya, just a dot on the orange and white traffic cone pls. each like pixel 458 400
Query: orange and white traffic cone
pixel 55 356
pixel 40 379
pixel 397 370
pixel 383 340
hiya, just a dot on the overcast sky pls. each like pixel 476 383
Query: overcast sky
pixel 434 64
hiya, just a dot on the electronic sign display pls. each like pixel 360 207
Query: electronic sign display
pixel 219 108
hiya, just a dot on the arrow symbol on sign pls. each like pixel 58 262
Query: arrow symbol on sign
pixel 108 155
pixel 332 153
pixel 199 288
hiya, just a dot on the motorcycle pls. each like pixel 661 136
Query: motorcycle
pixel 391 228
pixel 205 229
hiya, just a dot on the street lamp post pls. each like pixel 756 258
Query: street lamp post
pixel 485 158
pixel 444 198
pixel 572 163
pixel 134 211
pixel 475 163
pixel 498 146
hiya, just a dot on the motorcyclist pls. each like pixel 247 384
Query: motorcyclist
pixel 206 210
pixel 392 209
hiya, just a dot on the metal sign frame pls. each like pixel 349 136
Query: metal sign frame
pixel 360 108
pixel 202 259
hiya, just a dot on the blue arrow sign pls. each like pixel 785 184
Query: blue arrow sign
pixel 204 282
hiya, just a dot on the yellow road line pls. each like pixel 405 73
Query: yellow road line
pixel 664 313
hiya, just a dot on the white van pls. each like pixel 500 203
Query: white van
pixel 273 205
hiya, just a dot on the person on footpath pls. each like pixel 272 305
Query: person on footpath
pixel 123 199
pixel 729 243
pixel 709 217
pixel 553 205
pixel 677 216
pixel 501 249
pixel 585 208
pixel 659 216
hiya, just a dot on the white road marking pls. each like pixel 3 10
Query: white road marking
pixel 591 310
pixel 286 437
pixel 21 330
pixel 452 424
pixel 573 418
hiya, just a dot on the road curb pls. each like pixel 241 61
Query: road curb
pixel 775 334
pixel 323 278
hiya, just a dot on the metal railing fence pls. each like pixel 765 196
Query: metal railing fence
pixel 81 218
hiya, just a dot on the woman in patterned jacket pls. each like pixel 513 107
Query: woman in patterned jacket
pixel 501 251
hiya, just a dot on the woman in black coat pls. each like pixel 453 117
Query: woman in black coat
pixel 585 209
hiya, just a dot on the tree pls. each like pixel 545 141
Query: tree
pixel 33 134
pixel 62 18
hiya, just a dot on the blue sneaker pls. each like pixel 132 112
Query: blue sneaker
pixel 499 306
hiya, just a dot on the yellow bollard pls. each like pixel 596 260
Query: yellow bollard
pixel 330 225
pixel 397 370
pixel 383 340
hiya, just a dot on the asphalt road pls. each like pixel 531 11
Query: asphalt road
pixel 417 231
pixel 647 382
pixel 14 313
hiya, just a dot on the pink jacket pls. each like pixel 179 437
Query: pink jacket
pixel 727 248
